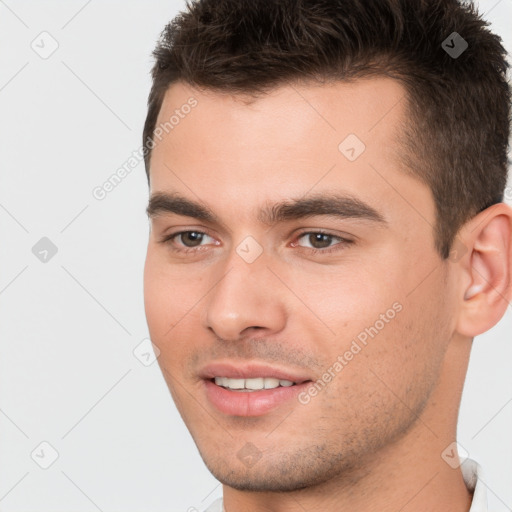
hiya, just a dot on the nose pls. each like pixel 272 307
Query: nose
pixel 245 298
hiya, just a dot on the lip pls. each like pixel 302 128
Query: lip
pixel 249 371
pixel 250 403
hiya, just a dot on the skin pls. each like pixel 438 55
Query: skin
pixel 374 436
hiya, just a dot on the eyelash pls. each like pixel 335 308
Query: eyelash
pixel 342 242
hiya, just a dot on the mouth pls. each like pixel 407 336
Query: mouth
pixel 251 385
pixel 250 390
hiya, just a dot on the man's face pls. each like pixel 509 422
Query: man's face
pixel 247 294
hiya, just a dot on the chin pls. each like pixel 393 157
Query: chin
pixel 281 473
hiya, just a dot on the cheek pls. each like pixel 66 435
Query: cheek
pixel 390 376
pixel 348 301
pixel 405 357
pixel 164 299
pixel 171 307
pixel 394 331
pixel 155 303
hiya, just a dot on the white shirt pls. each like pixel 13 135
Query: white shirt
pixel 471 472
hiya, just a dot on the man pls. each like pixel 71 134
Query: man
pixel 327 238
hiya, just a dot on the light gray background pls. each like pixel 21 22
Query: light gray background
pixel 68 327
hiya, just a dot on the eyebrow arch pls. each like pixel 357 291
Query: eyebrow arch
pixel 343 206
pixel 161 203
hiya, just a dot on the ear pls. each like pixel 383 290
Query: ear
pixel 485 289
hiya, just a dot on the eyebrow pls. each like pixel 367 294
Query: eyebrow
pixel 343 206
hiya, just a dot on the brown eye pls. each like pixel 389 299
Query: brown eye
pixel 191 238
pixel 188 242
pixel 318 240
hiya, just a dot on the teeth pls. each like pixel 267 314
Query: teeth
pixel 270 383
pixel 233 383
pixel 255 384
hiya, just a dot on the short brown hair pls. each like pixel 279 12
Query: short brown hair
pixel 457 136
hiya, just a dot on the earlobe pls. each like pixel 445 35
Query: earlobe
pixel 486 286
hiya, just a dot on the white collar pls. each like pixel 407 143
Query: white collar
pixel 472 474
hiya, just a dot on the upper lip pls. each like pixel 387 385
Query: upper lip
pixel 248 370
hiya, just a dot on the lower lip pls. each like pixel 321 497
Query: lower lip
pixel 250 403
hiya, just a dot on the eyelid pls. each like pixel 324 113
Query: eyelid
pixel 170 237
pixel 340 236
pixel 177 230
pixel 342 241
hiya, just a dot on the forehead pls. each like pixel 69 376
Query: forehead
pixel 296 139
pixel 320 115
